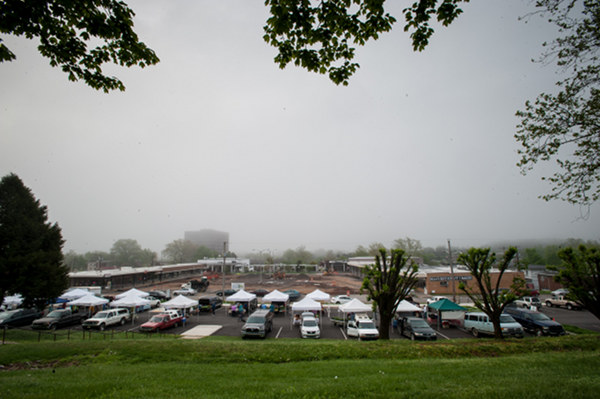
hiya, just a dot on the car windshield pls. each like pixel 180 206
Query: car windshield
pixel 156 319
pixel 535 300
pixel 506 319
pixel 419 323
pixel 310 323
pixel 101 315
pixel 539 317
pixel 366 324
pixel 55 314
pixel 255 319
pixel 6 315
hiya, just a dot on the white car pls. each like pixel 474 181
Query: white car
pixel 560 292
pixel 106 318
pixel 341 299
pixel 435 299
pixel 154 302
pixel 310 328
pixel 185 291
pixel 362 327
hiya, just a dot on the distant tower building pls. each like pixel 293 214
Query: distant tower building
pixel 211 239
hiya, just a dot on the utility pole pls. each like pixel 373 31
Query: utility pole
pixel 452 272
pixel 223 271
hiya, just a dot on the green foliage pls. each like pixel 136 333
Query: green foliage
pixel 128 252
pixel 410 246
pixel 565 127
pixel 182 251
pixel 68 30
pixel 322 36
pixel 487 296
pixel 580 274
pixel 387 283
pixel 297 257
pixel 31 260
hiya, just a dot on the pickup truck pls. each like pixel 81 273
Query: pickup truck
pixel 57 318
pixel 528 302
pixel 561 301
pixel 106 318
pixel 161 322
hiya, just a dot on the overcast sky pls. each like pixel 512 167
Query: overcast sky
pixel 217 136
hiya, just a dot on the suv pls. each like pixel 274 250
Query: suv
pixel 416 328
pixel 205 303
pixel 106 318
pixel 18 317
pixel 478 323
pixel 310 327
pixel 259 324
pixel 362 327
pixel 536 322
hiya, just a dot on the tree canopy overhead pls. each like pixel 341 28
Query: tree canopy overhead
pixel 322 36
pixel 78 36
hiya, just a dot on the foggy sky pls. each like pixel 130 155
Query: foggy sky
pixel 217 136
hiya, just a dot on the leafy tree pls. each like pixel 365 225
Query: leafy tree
pixel 205 252
pixel 580 274
pixel 31 260
pixel 68 31
pixel 298 256
pixel 387 282
pixel 127 252
pixel 74 261
pixel 410 246
pixel 180 251
pixel 565 127
pixel 322 36
pixel 486 296
pixel 532 257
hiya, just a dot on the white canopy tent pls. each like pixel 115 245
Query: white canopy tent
pixel 241 296
pixel 319 295
pixel 133 291
pixel 180 302
pixel 277 297
pixel 407 307
pixel 306 305
pixel 355 306
pixel 130 301
pixel 88 300
pixel 74 294
pixel 12 300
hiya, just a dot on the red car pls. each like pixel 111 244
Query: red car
pixel 161 322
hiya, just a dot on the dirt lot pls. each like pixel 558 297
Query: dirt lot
pixel 333 284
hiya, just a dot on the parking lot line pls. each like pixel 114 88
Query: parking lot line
pixel 342 331
pixel 439 333
pixel 278 332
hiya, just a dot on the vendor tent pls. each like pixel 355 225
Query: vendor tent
pixel 180 302
pixel 306 305
pixel 445 305
pixel 407 307
pixel 74 294
pixel 276 296
pixel 133 291
pixel 355 306
pixel 241 296
pixel 88 300
pixel 130 301
pixel 319 295
pixel 13 300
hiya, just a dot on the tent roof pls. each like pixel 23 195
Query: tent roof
pixel 74 294
pixel 318 295
pixel 241 296
pixel 305 305
pixel 180 302
pixel 406 306
pixel 276 296
pixel 355 306
pixel 88 300
pixel 133 291
pixel 130 301
pixel 13 300
pixel 445 305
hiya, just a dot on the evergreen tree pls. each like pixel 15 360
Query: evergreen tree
pixel 31 260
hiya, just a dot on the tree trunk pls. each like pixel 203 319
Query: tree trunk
pixel 385 321
pixel 497 329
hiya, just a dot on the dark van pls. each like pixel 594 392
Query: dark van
pixel 205 303
pixel 535 322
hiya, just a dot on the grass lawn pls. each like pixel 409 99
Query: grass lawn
pixel 231 368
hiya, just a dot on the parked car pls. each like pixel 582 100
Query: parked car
pixel 562 301
pixel 18 317
pixel 185 291
pixel 56 319
pixel 341 299
pixel 435 299
pixel 154 302
pixel 310 327
pixel 161 322
pixel 362 327
pixel 536 322
pixel 106 318
pixel 260 292
pixel 159 295
pixel 528 302
pixel 205 303
pixel 227 292
pixel 478 323
pixel 293 294
pixel 259 324
pixel 416 328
